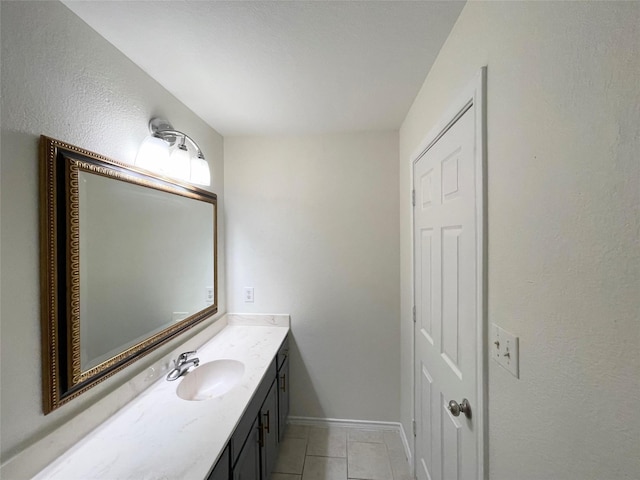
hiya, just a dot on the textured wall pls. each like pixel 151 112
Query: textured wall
pixel 61 79
pixel 312 225
pixel 563 228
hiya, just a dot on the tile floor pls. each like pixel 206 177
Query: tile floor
pixel 341 453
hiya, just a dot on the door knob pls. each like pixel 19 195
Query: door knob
pixel 463 407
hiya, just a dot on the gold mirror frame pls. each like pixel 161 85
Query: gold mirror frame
pixel 60 164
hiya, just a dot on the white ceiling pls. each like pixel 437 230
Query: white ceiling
pixel 283 67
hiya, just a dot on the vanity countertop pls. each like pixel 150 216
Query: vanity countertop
pixel 160 436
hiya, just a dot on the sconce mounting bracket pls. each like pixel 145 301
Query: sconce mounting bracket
pixel 159 124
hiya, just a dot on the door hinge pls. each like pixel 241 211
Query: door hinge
pixel 414 314
pixel 415 429
pixel 413 198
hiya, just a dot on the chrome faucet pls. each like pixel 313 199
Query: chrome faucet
pixel 182 364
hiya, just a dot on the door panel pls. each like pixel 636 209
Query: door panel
pixel 451 434
pixel 450 296
pixel 424 283
pixel 445 292
pixel 426 417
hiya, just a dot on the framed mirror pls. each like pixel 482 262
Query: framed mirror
pixel 128 262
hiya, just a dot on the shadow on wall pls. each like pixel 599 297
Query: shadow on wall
pixel 304 398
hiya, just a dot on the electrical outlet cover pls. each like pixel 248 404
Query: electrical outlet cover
pixel 208 295
pixel 248 294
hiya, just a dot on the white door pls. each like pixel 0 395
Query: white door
pixel 447 295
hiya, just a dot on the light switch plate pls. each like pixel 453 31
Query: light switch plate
pixel 494 346
pixel 505 349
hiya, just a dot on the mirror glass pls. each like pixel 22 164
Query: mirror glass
pixel 145 263
pixel 128 262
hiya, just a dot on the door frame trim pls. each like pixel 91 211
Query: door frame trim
pixel 474 95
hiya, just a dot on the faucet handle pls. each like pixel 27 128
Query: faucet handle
pixel 183 356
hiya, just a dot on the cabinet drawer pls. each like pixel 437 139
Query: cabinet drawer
pixel 251 413
pixel 283 353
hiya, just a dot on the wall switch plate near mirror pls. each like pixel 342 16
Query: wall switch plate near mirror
pixel 505 349
pixel 125 258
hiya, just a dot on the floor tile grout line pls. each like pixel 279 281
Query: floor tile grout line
pixel 304 459
pixel 347 453
pixel 386 447
pixel 387 453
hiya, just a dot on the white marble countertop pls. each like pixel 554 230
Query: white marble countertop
pixel 160 436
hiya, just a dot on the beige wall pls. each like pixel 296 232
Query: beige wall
pixel 62 79
pixel 312 225
pixel 563 222
pixel 563 202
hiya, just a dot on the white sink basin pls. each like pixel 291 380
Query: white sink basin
pixel 211 380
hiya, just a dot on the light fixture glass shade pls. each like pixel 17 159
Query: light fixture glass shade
pixel 156 155
pixel 200 173
pixel 180 164
pixel 153 154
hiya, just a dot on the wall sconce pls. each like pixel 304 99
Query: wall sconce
pixel 165 151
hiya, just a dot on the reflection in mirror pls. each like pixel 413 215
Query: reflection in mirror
pixel 157 276
pixel 128 262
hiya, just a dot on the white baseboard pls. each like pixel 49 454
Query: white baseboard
pixel 339 422
pixel 368 424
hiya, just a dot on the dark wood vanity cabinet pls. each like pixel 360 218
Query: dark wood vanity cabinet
pixel 247 466
pixel 253 449
pixel 283 393
pixel 269 431
pixel 222 469
pixel 260 450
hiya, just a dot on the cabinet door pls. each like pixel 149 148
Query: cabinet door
pixel 269 423
pixel 283 398
pixel 221 470
pixel 247 466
